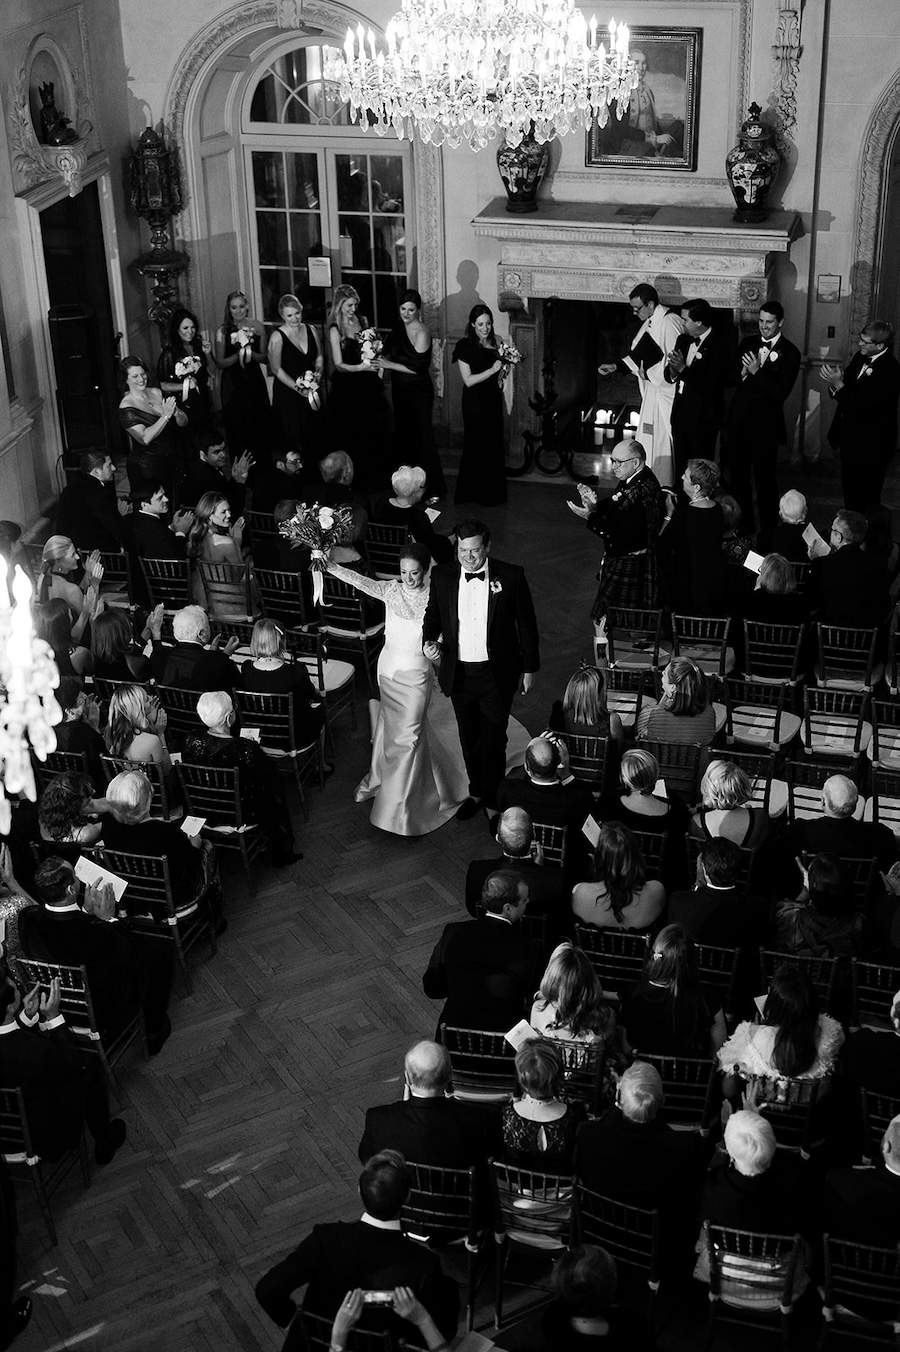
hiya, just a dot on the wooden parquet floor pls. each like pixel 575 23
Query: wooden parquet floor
pixel 242 1133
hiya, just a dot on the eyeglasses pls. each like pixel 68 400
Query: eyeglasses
pixel 622 459
pixel 636 309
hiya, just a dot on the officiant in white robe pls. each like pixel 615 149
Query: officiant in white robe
pixel 646 359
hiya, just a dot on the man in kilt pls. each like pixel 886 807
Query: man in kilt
pixel 628 522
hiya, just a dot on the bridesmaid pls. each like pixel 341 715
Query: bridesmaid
pixel 184 342
pixel 152 424
pixel 482 470
pixel 293 350
pixel 358 409
pixel 246 410
pixel 409 349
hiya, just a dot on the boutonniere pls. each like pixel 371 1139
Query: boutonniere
pixel 496 587
pixel 773 355
pixel 866 371
pixel 698 356
pixel 615 497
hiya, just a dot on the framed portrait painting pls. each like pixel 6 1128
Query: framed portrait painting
pixel 658 127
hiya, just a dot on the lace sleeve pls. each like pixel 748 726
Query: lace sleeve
pixel 370 585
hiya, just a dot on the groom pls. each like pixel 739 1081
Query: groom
pixel 480 622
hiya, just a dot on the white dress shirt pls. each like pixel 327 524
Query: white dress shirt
pixel 472 609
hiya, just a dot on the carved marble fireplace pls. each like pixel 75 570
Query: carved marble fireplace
pixel 600 251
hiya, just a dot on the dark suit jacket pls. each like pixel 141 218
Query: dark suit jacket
pixel 772 1202
pixel 640 1163
pixel 512 637
pixel 439 1131
pixel 485 970
pixel 89 516
pixel 849 587
pixel 550 804
pixel 700 388
pixel 725 917
pixel 844 837
pixel 114 960
pixel 154 540
pixel 192 667
pixel 757 409
pixel 337 1257
pixel 866 406
pixel 272 488
pixel 203 478
pixel 547 890
pixel 48 1068
pixel 862 1204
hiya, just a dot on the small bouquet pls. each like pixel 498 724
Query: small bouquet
pixel 370 345
pixel 186 370
pixel 308 383
pixel 318 528
pixel 241 339
pixel 509 356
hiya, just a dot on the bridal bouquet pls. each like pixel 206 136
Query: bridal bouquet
pixel 509 356
pixel 308 383
pixel 370 345
pixel 242 338
pixel 186 370
pixel 319 529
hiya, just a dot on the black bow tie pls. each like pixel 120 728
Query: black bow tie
pixel 470 576
pixel 768 342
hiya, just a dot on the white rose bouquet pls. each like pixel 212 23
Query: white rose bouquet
pixel 241 339
pixel 318 529
pixel 308 384
pixel 186 370
pixel 370 345
pixel 509 356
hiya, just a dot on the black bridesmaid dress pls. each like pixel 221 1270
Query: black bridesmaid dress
pixel 298 424
pixel 246 411
pixel 482 470
pixel 360 419
pixel 413 406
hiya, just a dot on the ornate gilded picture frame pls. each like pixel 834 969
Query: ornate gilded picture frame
pixel 658 129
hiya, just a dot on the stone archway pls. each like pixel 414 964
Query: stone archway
pixel 879 143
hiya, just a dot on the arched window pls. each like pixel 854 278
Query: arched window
pixel 323 189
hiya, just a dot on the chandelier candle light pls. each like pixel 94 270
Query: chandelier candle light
pixel 28 678
pixel 458 70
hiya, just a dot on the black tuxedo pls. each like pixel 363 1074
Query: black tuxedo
pixel 849 586
pixel 864 428
pixel 482 693
pixel 192 667
pixel 336 1258
pixel 89 515
pixel 755 427
pixel 154 540
pixel 438 1131
pixel 699 407
pixel 485 970
pixel 547 890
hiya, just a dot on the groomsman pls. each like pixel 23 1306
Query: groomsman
pixel 697 366
pixel 766 371
pixel 864 429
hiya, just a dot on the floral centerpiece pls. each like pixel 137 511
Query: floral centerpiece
pixel 241 339
pixel 185 371
pixel 317 529
pixel 509 357
pixel 370 345
pixel 308 384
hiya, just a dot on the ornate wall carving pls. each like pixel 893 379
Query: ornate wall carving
pixel 877 147
pixel 34 162
pixel 786 53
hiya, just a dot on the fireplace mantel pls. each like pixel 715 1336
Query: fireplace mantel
pixel 600 251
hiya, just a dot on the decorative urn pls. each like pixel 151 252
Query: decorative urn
pixel 751 167
pixel 522 169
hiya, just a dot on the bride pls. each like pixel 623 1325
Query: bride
pixel 417 777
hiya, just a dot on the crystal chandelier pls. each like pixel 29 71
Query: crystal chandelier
pixel 28 678
pixel 458 70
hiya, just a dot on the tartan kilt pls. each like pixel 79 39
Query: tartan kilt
pixel 629 581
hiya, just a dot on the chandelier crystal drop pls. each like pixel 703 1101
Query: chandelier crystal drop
pixel 464 70
pixel 28 678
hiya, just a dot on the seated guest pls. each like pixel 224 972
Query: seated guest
pixel 633 1156
pixel 786 538
pixel 863 1204
pixel 545 788
pixel 583 1316
pixel 78 732
pixel 684 713
pixel 53 623
pixel 64 578
pixel 136 727
pixel 735 547
pixel 154 538
pixel 619 895
pixel 67 812
pixel 837 831
pixel 217 539
pixel 668 1012
pixel 350 550
pixel 208 472
pixel 193 663
pixel 825 922
pixel 635 804
pixel 776 598
pixel 334 485
pixel 62 1086
pixel 849 586
pixel 287 556
pixel 794 1041
pixel 717 911
pixel 115 654
pixel 583 710
pixel 880 542
pixel 88 508
pixel 870 1057
pixel 270 672
pixel 726 810
pixel 124 969
pixel 262 793
pixel 284 481
pixel 547 892
pixel 539 1127
pixel 569 1005
pixel 428 1127
pixel 403 509
pixel 369 1254
pixel 484 969
pixel 130 828
pixel 750 1187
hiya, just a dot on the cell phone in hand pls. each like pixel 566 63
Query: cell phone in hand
pixel 378 1298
